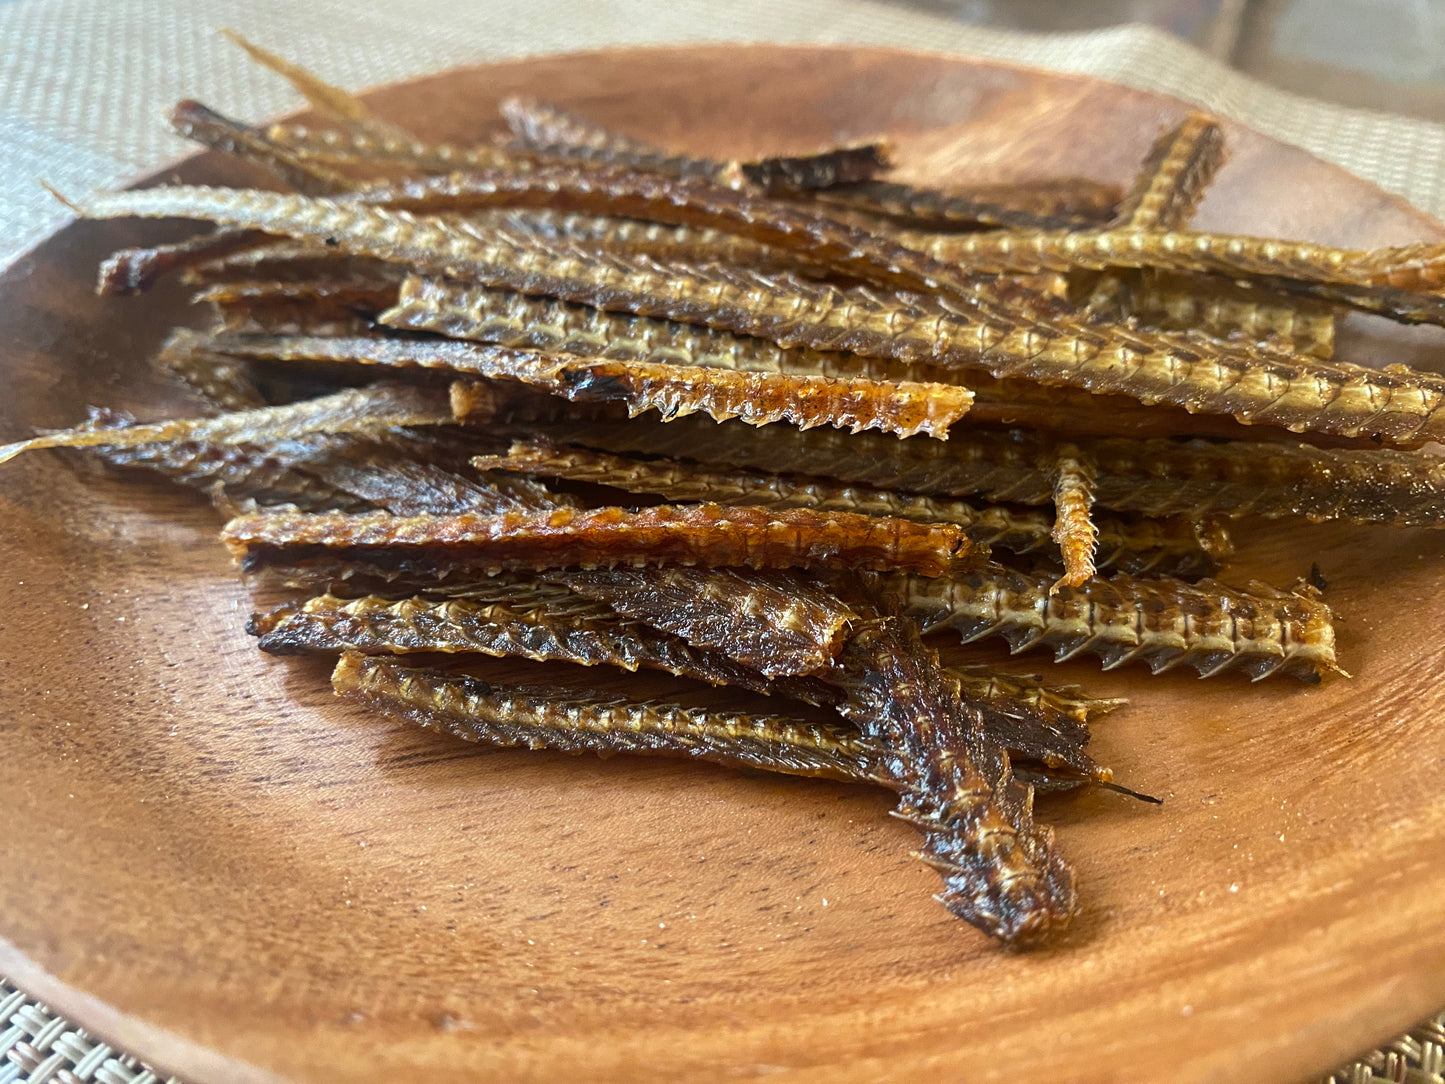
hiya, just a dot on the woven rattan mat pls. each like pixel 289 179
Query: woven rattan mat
pixel 83 85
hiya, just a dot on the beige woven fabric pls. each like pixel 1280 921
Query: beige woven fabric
pixel 83 83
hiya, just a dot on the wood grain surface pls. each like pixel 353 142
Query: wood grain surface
pixel 209 861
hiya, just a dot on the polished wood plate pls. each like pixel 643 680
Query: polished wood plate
pixel 210 862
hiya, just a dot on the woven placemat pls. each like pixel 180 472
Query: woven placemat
pixel 83 87
pixel 39 1047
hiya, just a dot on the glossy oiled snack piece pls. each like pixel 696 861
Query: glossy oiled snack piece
pixel 545 628
pixel 1197 302
pixel 204 125
pixel 1000 871
pixel 1174 176
pixel 508 318
pixel 224 382
pixel 675 391
pixel 1391 281
pixel 541 718
pixel 135 270
pixel 287 260
pixel 1070 205
pixel 828 243
pixel 232 473
pixel 1202 375
pixel 822 169
pixel 376 406
pixel 544 127
pixel 672 390
pixel 566 629
pixel 1177 547
pixel 778 623
pixel 1074 530
pixel 705 535
pixel 989 684
pixel 1162 622
pixel 1154 477
pixel 330 100
pixel 542 124
pixel 408 474
pixel 783 623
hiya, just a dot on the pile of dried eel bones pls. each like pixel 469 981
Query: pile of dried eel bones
pixel 433 370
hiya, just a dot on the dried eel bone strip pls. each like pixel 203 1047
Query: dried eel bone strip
pixel 579 141
pixel 547 129
pixel 1000 871
pixel 1170 546
pixel 985 683
pixel 566 630
pixel 510 716
pixel 1153 477
pixel 777 623
pixel 546 629
pixel 1074 531
pixel 736 613
pixel 542 124
pixel 375 291
pixel 1201 376
pixel 359 148
pixel 830 244
pixel 229 472
pixel 1029 204
pixel 374 407
pixel 222 381
pixel 519 321
pixel 135 270
pixel 537 718
pixel 1162 622
pixel 330 100
pixel 706 535
pixel 507 318
pixel 823 169
pixel 406 474
pixel 902 408
pixel 1179 303
pixel 932 209
pixel 1178 167
pixel 203 125
pixel 286 260
pixel 1175 174
pixel 1232 255
pixel 1169 187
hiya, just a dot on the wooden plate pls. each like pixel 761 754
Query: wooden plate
pixel 208 861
